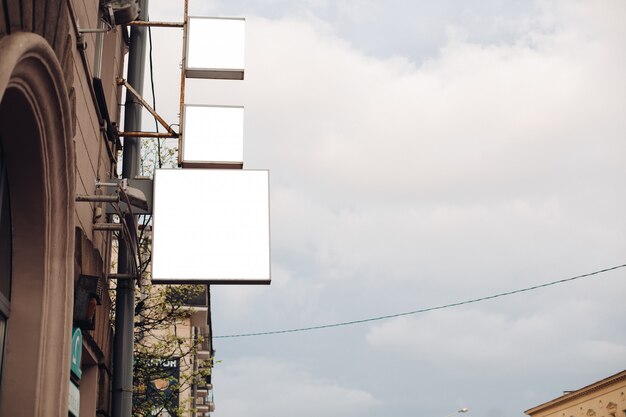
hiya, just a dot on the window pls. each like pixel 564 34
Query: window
pixel 5 255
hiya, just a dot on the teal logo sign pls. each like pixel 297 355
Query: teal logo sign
pixel 77 351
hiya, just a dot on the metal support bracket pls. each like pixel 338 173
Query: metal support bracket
pixel 81 198
pixel 170 132
pixel 156 24
pixel 142 184
pixel 108 227
pixel 122 276
pixel 100 30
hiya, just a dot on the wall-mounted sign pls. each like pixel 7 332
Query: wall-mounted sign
pixel 211 225
pixel 77 352
pixel 212 137
pixel 163 388
pixel 73 403
pixel 215 48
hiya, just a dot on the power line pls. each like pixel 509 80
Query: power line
pixel 156 123
pixel 423 310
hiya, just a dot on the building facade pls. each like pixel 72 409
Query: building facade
pixel 174 357
pixel 604 398
pixel 58 102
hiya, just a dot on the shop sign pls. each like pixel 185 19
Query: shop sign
pixel 74 400
pixel 211 226
pixel 77 351
pixel 163 389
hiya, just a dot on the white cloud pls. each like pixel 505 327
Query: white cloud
pixel 491 164
pixel 501 135
pixel 487 164
pixel 265 387
pixel 467 341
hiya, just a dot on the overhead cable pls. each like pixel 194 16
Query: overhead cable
pixel 422 310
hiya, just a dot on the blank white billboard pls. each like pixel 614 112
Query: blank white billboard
pixel 211 225
pixel 215 48
pixel 212 135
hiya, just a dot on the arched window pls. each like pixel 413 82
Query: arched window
pixel 36 140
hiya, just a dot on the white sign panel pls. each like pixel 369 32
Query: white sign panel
pixel 213 135
pixel 211 225
pixel 215 48
pixel 73 401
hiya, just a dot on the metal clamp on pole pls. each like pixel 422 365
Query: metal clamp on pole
pixel 99 30
pixel 108 227
pixel 156 24
pixel 98 198
pixel 122 276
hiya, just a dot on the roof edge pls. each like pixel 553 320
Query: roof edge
pixel 579 392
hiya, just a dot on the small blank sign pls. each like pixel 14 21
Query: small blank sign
pixel 211 226
pixel 215 48
pixel 213 136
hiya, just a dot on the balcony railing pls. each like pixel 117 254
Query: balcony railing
pixel 200 300
pixel 205 344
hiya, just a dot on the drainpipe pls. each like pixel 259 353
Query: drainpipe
pixel 97 64
pixel 194 384
pixel 122 396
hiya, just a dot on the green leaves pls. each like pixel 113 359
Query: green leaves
pixel 165 349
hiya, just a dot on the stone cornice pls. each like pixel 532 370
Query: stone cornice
pixel 596 386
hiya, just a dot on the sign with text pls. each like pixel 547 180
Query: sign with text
pixel 163 388
pixel 73 400
pixel 211 225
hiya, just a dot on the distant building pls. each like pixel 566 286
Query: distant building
pixel 604 398
pixel 200 397
pixel 190 375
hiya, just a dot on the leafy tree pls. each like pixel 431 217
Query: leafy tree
pixel 165 346
pixel 164 349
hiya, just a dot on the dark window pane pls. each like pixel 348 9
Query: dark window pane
pixel 3 326
pixel 5 243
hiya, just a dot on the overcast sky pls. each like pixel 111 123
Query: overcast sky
pixel 423 153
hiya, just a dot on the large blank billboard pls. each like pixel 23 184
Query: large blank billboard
pixel 211 225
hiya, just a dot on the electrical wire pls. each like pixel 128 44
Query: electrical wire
pixel 156 123
pixel 422 310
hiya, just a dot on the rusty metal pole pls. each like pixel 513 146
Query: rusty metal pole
pixel 183 65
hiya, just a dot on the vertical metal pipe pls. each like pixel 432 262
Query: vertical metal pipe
pixel 183 65
pixel 97 64
pixel 194 385
pixel 122 395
